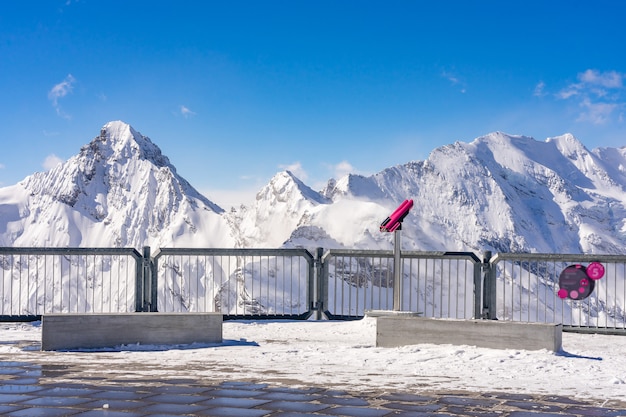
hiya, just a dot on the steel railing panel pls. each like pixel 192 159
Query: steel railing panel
pixel 36 281
pixel 434 284
pixel 236 282
pixel 527 291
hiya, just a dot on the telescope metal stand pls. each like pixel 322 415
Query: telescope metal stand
pixel 397 271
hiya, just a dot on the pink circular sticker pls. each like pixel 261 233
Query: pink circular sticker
pixel 562 293
pixel 573 294
pixel 595 270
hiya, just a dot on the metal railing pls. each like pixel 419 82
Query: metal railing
pixel 524 287
pixel 293 283
pixel 36 281
pixel 235 282
pixel 434 284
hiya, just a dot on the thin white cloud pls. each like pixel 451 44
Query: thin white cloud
pixel 48 133
pixel 608 79
pixel 59 91
pixel 540 89
pixel 455 80
pixel 51 161
pixel 596 113
pixel 599 94
pixel 342 169
pixel 296 169
pixel 186 112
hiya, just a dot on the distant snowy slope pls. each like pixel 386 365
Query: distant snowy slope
pixel 499 192
pixel 119 191
pixel 505 193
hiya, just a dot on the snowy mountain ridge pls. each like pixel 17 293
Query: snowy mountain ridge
pixel 118 191
pixel 499 192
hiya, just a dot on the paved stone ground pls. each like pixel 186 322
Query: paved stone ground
pixel 32 389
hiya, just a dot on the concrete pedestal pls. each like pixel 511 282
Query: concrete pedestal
pixel 392 331
pixel 84 331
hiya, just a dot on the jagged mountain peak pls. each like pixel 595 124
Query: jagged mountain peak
pixel 121 185
pixel 119 141
pixel 285 186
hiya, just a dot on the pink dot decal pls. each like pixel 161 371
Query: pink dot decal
pixel 595 270
pixel 562 293
pixel 573 294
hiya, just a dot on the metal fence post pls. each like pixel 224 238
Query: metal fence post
pixel 489 288
pixel 154 287
pixel 140 283
pixel 146 278
pixel 478 289
pixel 318 306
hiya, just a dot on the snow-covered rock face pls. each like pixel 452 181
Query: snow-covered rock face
pixel 120 190
pixel 500 192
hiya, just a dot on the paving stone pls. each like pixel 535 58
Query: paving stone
pixel 14 398
pixel 243 385
pixel 107 413
pixel 420 414
pixel 596 411
pixel 358 411
pixel 6 409
pixel 236 412
pixel 534 406
pixel 236 393
pixel 407 397
pixel 56 401
pixel 42 412
pixel 290 396
pixel 537 414
pixel 117 405
pixel 467 401
pixel 304 407
pixel 172 408
pixel 179 398
pixel 18 389
pixel 234 402
pixel 66 392
pixel 353 401
pixel 456 410
pixel 424 408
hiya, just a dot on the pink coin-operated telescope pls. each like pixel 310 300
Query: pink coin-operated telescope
pixel 394 221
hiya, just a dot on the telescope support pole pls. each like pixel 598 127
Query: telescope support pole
pixel 397 272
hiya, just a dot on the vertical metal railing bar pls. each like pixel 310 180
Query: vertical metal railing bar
pixel 206 282
pixel 357 284
pixel 2 293
pixel 419 280
pixel 448 287
pixel 19 282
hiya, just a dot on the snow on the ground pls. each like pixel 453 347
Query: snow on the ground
pixel 343 355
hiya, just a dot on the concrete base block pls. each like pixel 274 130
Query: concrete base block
pixel 400 331
pixel 85 331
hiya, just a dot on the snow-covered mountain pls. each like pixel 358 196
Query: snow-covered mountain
pixel 118 191
pixel 512 193
pixel 500 192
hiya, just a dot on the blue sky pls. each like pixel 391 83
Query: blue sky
pixel 235 91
